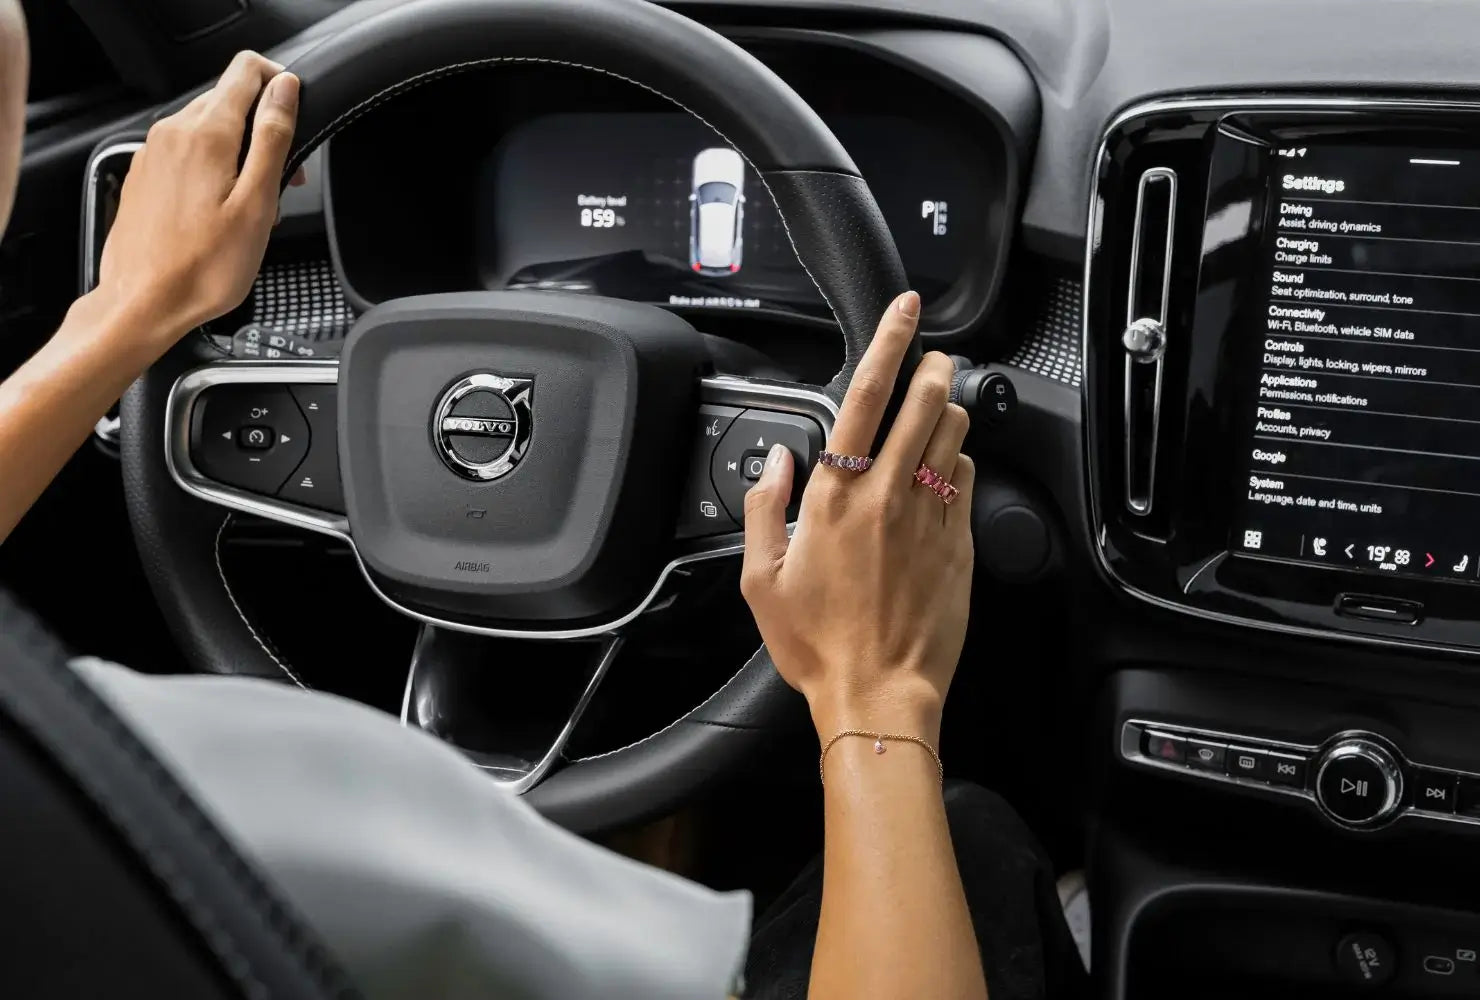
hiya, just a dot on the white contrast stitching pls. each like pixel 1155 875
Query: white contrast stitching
pixel 411 83
pixel 221 571
pixel 676 722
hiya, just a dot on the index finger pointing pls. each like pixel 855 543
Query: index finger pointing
pixel 874 379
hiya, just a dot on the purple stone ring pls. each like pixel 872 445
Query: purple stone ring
pixel 936 483
pixel 848 463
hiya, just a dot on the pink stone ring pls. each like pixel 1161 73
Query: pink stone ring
pixel 848 463
pixel 938 484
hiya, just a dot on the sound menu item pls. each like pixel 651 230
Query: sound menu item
pixel 1363 401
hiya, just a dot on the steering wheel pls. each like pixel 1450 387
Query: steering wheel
pixel 515 463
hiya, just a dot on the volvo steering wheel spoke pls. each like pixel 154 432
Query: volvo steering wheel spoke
pixel 264 439
pixel 260 438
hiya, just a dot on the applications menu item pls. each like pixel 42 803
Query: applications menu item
pixel 1363 401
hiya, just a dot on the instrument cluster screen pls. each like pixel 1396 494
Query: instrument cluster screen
pixel 1363 399
pixel 655 207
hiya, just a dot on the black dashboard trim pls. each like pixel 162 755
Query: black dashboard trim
pixel 989 77
pixel 1093 239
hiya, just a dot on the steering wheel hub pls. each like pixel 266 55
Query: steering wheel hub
pixel 510 458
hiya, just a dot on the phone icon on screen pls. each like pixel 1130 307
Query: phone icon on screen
pixel 1464 564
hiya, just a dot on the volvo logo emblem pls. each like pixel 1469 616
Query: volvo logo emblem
pixel 482 424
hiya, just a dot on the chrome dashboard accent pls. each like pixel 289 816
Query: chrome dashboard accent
pixel 1145 341
pixel 1093 237
pixel 90 208
pixel 1130 751
pixel 1396 766
pixel 1359 746
pixel 1136 501
pixel 723 389
pixel 109 430
pixel 109 427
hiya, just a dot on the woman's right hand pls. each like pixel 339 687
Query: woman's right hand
pixel 864 609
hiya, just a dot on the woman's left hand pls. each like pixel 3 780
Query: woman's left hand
pixel 192 229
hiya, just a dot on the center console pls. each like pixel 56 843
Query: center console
pixel 1282 423
pixel 1283 343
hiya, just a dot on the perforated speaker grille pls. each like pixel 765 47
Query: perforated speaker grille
pixel 1051 347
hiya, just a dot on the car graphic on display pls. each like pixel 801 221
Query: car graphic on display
pixel 718 209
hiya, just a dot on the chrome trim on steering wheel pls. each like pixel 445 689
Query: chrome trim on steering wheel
pixel 724 389
pixel 177 439
pixel 556 750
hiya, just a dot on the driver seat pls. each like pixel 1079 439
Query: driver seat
pixel 115 882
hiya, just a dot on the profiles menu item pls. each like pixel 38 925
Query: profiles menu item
pixel 1364 408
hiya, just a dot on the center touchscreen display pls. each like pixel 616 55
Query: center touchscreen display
pixel 1363 411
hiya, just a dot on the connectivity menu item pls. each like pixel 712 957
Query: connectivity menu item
pixel 1363 400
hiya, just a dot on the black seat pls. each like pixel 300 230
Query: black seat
pixel 113 883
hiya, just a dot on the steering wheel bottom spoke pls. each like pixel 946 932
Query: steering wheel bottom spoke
pixel 458 685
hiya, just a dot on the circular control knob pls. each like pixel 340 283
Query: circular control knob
pixel 1145 340
pixel 1358 782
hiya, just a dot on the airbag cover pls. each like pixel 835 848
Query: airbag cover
pixel 513 457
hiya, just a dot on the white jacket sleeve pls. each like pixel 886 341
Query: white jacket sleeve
pixel 421 875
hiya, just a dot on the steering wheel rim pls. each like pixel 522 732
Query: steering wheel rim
pixel 826 210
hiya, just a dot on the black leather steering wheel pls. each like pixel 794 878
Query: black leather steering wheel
pixel 378 52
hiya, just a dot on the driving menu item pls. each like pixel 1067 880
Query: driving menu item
pixel 655 207
pixel 1362 405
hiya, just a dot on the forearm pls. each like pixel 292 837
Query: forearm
pixel 51 403
pixel 894 925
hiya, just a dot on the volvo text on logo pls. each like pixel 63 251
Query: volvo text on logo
pixel 478 425
pixel 482 425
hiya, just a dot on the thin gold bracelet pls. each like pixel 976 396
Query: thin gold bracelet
pixel 879 739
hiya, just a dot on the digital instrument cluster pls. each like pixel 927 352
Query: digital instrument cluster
pixel 655 207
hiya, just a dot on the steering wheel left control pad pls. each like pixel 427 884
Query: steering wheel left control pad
pixel 273 440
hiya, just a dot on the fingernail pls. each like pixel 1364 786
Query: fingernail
pixel 908 304
pixel 773 460
pixel 283 91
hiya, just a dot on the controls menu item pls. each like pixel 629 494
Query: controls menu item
pixel 1362 400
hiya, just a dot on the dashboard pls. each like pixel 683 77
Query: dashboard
pixel 1244 355
pixel 1237 314
pixel 1229 263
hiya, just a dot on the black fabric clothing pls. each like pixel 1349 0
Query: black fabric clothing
pixel 1027 950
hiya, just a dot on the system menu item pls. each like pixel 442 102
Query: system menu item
pixel 1363 404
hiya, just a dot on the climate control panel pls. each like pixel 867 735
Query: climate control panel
pixel 1358 780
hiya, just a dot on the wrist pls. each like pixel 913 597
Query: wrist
pixel 123 325
pixel 912 709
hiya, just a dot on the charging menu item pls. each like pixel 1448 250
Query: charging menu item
pixel 1363 400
